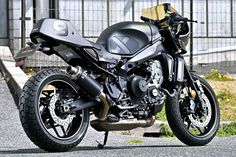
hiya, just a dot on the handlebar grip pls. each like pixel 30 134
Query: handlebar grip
pixel 144 19
pixel 179 18
pixel 184 19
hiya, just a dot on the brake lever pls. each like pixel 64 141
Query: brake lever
pixel 184 19
pixel 194 21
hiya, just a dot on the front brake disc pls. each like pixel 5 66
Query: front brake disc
pixel 204 120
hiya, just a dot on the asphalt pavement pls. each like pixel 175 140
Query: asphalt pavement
pixel 14 142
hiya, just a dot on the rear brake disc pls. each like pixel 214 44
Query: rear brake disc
pixel 57 119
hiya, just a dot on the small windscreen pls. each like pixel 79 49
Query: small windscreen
pixel 158 12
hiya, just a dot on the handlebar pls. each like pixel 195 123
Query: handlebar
pixel 184 19
pixel 174 18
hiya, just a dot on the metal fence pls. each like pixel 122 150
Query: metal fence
pixel 213 37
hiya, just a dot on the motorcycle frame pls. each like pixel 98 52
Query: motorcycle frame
pixel 73 49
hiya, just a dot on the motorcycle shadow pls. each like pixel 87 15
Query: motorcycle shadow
pixel 84 148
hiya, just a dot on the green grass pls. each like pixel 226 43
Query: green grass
pixel 134 141
pixel 166 131
pixel 216 75
pixel 227 104
pixel 161 115
pixel 228 130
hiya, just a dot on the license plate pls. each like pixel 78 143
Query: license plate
pixel 26 51
pixel 20 62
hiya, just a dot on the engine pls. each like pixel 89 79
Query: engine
pixel 147 83
pixel 156 74
pixel 144 89
pixel 140 95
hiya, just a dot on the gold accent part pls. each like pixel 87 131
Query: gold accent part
pixel 193 93
pixel 105 107
pixel 126 124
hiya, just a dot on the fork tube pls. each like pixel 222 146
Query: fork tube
pixel 190 82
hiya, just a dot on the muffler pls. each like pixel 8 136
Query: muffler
pixel 85 81
pixel 91 86
pixel 122 124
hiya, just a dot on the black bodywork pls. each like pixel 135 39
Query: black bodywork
pixel 126 38
pixel 125 45
pixel 60 31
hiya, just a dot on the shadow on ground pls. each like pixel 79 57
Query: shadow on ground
pixel 83 148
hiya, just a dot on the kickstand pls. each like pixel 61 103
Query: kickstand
pixel 101 146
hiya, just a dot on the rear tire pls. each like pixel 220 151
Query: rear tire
pixel 32 118
pixel 176 122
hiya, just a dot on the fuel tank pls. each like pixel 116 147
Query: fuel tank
pixel 126 38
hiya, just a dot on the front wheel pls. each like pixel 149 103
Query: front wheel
pixel 41 111
pixel 194 123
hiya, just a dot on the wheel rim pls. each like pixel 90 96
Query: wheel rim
pixel 205 124
pixel 61 131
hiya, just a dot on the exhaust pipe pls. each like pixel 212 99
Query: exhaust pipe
pixel 91 86
pixel 122 124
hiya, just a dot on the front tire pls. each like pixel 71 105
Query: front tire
pixel 180 123
pixel 40 115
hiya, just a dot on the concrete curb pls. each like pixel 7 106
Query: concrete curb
pixel 13 75
pixel 155 130
pixel 152 131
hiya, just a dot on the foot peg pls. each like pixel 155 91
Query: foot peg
pixel 101 146
pixel 111 118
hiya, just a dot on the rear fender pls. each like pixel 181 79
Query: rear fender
pixel 30 50
pixel 26 51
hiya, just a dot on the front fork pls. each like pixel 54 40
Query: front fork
pixel 192 83
pixel 181 73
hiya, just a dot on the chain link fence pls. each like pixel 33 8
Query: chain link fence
pixel 213 37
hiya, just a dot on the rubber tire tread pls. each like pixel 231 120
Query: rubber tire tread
pixel 28 115
pixel 175 121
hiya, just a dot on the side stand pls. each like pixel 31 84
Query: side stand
pixel 101 146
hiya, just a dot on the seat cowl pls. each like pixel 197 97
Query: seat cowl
pixel 59 30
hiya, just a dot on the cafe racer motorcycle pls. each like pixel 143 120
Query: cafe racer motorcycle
pixel 123 80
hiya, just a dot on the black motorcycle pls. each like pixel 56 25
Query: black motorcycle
pixel 123 79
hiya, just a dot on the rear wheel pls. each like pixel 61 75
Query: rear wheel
pixel 194 123
pixel 42 111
